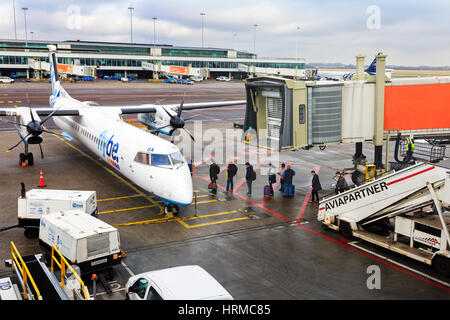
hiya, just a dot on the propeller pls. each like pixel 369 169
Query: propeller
pixel 176 121
pixel 35 128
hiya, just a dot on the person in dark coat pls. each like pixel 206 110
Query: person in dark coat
pixel 231 172
pixel 341 184
pixel 316 187
pixel 249 177
pixel 288 176
pixel 213 174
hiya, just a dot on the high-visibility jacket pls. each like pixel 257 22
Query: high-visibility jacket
pixel 410 147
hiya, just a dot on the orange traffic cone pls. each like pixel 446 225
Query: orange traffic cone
pixel 41 181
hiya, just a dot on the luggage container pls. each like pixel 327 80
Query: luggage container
pixel 85 241
pixel 38 202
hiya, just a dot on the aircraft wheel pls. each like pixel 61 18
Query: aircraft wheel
pixel 22 158
pixel 30 159
pixel 30 233
pixel 172 208
pixel 345 229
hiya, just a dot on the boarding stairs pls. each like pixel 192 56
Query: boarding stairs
pixel 390 195
pixel 38 282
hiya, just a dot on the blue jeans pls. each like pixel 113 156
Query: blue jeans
pixel 230 184
pixel 249 186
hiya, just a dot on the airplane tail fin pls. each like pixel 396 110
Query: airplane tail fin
pixel 57 89
pixel 372 69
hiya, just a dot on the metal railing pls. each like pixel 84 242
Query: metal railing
pixel 16 259
pixel 62 266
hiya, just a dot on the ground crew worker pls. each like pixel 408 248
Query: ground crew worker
pixel 316 187
pixel 409 151
pixel 231 172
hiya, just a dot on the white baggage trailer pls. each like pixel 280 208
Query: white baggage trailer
pixel 368 212
pixel 84 240
pixel 38 202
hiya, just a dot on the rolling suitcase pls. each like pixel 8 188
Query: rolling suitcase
pixel 267 191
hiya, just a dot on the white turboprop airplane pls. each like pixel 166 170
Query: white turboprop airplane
pixel 150 162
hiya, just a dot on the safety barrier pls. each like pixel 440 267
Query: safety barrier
pixel 62 266
pixel 17 260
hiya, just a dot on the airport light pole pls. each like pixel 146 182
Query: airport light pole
pixel 25 16
pixel 131 22
pixel 15 29
pixel 235 41
pixel 154 31
pixel 203 24
pixel 254 39
pixel 32 32
pixel 296 44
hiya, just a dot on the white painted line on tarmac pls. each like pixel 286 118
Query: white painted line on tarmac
pixel 126 268
pixel 353 244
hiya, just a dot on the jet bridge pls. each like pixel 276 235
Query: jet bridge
pixel 175 70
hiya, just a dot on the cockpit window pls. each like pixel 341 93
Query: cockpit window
pixel 160 160
pixel 142 157
pixel 176 158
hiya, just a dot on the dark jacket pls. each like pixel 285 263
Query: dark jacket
pixel 288 175
pixel 249 173
pixel 232 170
pixel 213 170
pixel 341 184
pixel 316 183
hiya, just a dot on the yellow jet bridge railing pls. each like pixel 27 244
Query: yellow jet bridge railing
pixel 63 264
pixel 17 259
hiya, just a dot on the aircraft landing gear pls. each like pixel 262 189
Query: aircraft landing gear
pixel 26 158
pixel 171 209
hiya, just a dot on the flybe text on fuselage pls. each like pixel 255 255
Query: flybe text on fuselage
pixel 109 149
pixel 354 196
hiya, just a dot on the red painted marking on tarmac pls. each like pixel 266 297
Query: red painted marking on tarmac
pixel 340 242
pixel 411 175
pixel 305 202
pixel 203 161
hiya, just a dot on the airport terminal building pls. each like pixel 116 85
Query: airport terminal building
pixel 23 58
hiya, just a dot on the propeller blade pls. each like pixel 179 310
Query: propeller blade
pixel 12 122
pixel 186 119
pixel 51 132
pixel 180 109
pixel 22 139
pixel 170 115
pixel 42 154
pixel 50 115
pixel 189 134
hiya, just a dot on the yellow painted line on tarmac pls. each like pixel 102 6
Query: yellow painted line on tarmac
pixel 10 101
pixel 117 198
pixel 127 209
pixel 210 215
pixel 18 101
pixel 2 101
pixel 207 201
pixel 158 220
pixel 218 222
pixel 111 172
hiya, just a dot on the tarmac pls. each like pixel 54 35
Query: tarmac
pixel 257 247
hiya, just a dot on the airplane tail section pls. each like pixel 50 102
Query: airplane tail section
pixel 372 69
pixel 57 89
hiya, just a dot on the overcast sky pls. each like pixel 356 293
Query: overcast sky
pixel 410 32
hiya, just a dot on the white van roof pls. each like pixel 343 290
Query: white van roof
pixel 187 283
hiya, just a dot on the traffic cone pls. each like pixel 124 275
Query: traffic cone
pixel 41 181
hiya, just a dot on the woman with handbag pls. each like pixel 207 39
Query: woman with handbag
pixel 272 177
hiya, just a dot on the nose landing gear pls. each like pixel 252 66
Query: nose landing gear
pixel 26 158
pixel 171 209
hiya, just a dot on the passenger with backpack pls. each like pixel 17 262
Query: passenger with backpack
pixel 341 184
pixel 250 176
pixel 289 188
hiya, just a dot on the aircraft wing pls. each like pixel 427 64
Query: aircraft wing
pixel 187 106
pixel 40 111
